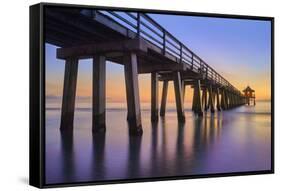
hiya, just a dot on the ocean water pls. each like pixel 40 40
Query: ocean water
pixel 236 140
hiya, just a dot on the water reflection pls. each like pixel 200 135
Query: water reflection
pixel 154 157
pixel 222 142
pixel 98 156
pixel 134 148
pixel 181 150
pixel 67 157
pixel 162 159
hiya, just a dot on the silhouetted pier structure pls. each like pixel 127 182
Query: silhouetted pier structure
pixel 139 43
pixel 249 95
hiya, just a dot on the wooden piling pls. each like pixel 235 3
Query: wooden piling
pixel 178 96
pixel 218 99
pixel 227 100
pixel 211 97
pixel 132 93
pixel 69 93
pixel 164 98
pixel 205 103
pixel 183 92
pixel 197 97
pixel 223 104
pixel 208 100
pixel 230 100
pixel 98 91
pixel 154 96
pixel 194 100
pixel 202 99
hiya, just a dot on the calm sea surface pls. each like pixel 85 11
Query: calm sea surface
pixel 229 141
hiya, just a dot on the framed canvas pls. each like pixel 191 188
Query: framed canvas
pixel 126 95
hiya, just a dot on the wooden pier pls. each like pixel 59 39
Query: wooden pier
pixel 141 45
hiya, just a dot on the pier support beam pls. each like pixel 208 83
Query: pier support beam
pixel 226 99
pixel 178 96
pixel 197 98
pixel 132 93
pixel 223 103
pixel 164 98
pixel 183 92
pixel 69 93
pixel 193 101
pixel 218 99
pixel 205 100
pixel 99 69
pixel 230 100
pixel 208 101
pixel 154 96
pixel 211 99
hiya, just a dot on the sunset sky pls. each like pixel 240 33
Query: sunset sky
pixel 239 50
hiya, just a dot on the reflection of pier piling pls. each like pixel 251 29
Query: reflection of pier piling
pixel 144 47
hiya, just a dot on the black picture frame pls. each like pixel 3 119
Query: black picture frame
pixel 37 95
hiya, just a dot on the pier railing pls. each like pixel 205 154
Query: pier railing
pixel 147 28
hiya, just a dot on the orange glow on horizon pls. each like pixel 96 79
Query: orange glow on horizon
pixel 116 92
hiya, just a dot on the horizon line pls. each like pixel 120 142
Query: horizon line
pixel 90 97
